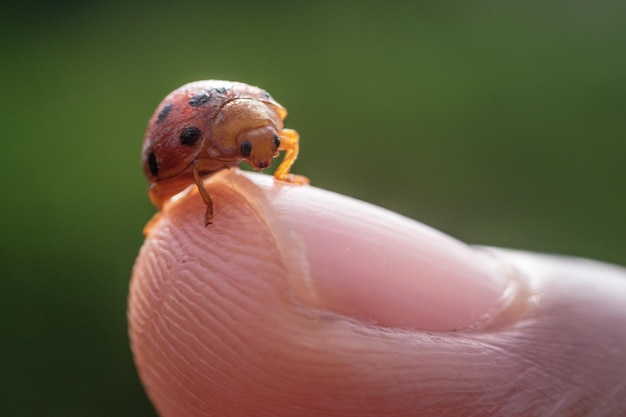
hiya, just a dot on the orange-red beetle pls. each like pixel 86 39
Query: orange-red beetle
pixel 206 126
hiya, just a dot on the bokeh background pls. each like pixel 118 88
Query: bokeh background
pixel 500 123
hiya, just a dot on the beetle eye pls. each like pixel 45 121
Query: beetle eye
pixel 246 148
pixel 276 141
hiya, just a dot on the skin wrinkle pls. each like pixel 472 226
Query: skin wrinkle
pixel 195 353
pixel 241 356
pixel 561 329
pixel 535 374
pixel 178 377
pixel 164 349
pixel 293 253
pixel 222 321
pixel 198 369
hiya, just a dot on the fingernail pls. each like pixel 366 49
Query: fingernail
pixel 357 260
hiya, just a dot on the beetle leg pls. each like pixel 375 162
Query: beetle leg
pixel 289 142
pixel 208 215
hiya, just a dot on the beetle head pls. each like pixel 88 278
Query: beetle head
pixel 259 146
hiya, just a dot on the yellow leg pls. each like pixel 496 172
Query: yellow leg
pixel 289 142
pixel 208 215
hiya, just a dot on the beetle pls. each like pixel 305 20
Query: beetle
pixel 206 126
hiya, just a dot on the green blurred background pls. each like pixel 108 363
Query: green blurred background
pixel 496 122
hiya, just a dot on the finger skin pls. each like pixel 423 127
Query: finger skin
pixel 216 330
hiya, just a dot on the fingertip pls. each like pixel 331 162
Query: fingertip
pixel 237 316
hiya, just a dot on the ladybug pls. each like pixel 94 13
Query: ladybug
pixel 206 126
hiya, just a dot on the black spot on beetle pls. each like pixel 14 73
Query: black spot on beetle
pixel 153 164
pixel 190 136
pixel 221 90
pixel 164 112
pixel 266 96
pixel 199 100
pixel 246 148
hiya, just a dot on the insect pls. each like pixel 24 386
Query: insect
pixel 205 126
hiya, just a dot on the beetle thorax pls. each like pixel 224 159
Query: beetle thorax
pixel 238 117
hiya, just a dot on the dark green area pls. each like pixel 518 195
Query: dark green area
pixel 498 123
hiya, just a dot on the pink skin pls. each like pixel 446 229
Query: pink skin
pixel 301 302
